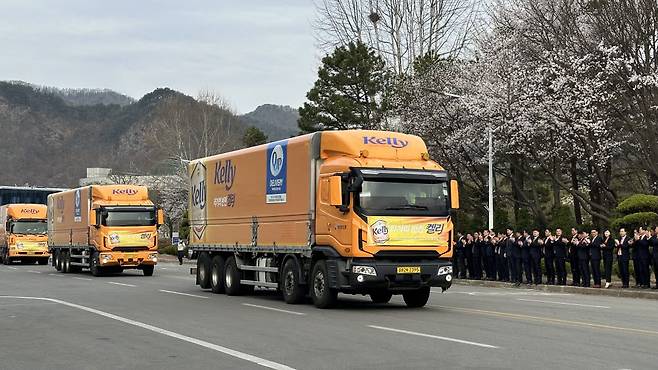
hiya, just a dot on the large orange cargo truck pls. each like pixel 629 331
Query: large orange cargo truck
pixel 106 228
pixel 23 233
pixel 359 212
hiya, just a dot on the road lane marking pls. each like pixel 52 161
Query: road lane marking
pixel 504 294
pixel 546 320
pixel 181 293
pixel 562 303
pixel 58 275
pixel 122 284
pixel 12 267
pixel 483 345
pixel 79 278
pixel 274 309
pixel 34 272
pixel 231 352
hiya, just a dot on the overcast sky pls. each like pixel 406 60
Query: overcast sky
pixel 250 51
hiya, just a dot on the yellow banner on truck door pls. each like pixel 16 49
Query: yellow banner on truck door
pixel 408 231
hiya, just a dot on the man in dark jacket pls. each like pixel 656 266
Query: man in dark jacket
pixel 459 267
pixel 501 259
pixel 518 257
pixel 573 257
pixel 583 258
pixel 468 254
pixel 643 258
pixel 560 247
pixel 510 245
pixel 549 257
pixel 525 257
pixel 535 257
pixel 595 257
pixel 653 242
pixel 477 256
pixel 623 256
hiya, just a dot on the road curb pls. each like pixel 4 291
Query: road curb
pixel 611 292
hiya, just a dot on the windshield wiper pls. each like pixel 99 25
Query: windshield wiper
pixel 406 206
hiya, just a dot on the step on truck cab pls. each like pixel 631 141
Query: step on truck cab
pixel 360 212
pixel 23 233
pixel 105 228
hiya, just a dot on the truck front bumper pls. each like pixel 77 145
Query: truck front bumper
pixel 128 259
pixel 13 253
pixel 358 276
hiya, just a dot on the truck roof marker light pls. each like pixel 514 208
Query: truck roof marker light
pixel 364 153
pixel 425 156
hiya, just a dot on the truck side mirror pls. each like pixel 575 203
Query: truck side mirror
pixel 336 191
pixel 454 194
pixel 93 218
pixel 161 217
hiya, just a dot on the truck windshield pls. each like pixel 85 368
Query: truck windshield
pixel 404 198
pixel 127 217
pixel 31 227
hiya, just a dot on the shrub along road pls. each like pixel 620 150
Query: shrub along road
pixel 75 321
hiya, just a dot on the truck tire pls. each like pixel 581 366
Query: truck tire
pixel 323 296
pixel 293 291
pixel 66 262
pixel 148 270
pixel 232 277
pixel 217 274
pixel 93 265
pixel 381 296
pixel 203 270
pixel 57 255
pixel 416 298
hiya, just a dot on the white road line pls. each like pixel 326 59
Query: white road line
pixel 433 336
pixel 12 267
pixel 79 278
pixel 241 355
pixel 34 272
pixel 274 309
pixel 122 284
pixel 58 275
pixel 180 293
pixel 562 303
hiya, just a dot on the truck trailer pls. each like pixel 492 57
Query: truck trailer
pixel 105 228
pixel 357 212
pixel 23 233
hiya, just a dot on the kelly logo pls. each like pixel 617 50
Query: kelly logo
pixel 29 211
pixel 393 142
pixel 380 233
pixel 198 200
pixel 124 191
pixel 225 173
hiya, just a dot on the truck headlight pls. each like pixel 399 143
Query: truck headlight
pixel 105 257
pixel 153 257
pixel 364 270
pixel 19 245
pixel 444 270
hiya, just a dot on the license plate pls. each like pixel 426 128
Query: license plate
pixel 409 270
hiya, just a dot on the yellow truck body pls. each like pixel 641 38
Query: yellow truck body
pixel 23 233
pixel 106 228
pixel 368 208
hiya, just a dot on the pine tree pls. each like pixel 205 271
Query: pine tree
pixel 349 92
pixel 254 136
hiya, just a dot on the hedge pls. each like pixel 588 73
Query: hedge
pixel 638 203
pixel 635 220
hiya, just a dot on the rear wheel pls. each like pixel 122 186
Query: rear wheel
pixel 322 294
pixel 66 262
pixel 217 275
pixel 293 291
pixel 416 298
pixel 381 296
pixel 232 277
pixel 58 260
pixel 148 270
pixel 203 270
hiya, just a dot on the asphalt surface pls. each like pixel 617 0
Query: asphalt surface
pixel 50 320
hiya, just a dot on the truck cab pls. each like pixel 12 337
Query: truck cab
pixel 23 233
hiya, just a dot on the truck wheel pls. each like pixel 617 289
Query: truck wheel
pixel 232 277
pixel 293 291
pixel 217 274
pixel 381 296
pixel 58 260
pixel 416 298
pixel 66 262
pixel 203 270
pixel 148 270
pixel 93 265
pixel 323 296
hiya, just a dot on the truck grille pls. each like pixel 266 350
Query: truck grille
pixel 130 249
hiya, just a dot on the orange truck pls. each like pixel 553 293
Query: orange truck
pixel 105 228
pixel 23 233
pixel 357 212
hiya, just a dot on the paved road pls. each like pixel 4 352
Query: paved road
pixel 130 321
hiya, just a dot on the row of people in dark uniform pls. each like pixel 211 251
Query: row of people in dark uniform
pixel 517 256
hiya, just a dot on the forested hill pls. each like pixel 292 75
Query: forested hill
pixel 49 136
pixel 276 121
